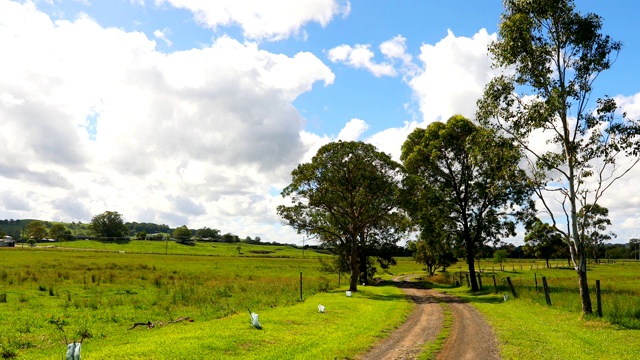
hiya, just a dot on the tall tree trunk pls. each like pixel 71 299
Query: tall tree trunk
pixel 583 283
pixel 354 266
pixel 471 262
pixel 364 276
pixel 578 251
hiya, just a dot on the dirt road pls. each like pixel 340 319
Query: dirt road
pixel 470 337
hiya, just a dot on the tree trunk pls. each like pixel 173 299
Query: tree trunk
pixel 471 262
pixel 364 276
pixel 547 263
pixel 354 266
pixel 353 282
pixel 584 286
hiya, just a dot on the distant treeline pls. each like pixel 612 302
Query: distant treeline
pixel 149 228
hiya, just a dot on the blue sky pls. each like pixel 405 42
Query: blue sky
pixel 182 113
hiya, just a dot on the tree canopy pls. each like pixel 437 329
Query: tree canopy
pixel 593 221
pixel 59 232
pixel 36 230
pixel 557 54
pixel 208 233
pixel 464 180
pixel 182 235
pixel 543 240
pixel 347 197
pixel 109 224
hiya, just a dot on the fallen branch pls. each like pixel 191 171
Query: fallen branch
pixel 151 325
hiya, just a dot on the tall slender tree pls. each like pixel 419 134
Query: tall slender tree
pixel 554 55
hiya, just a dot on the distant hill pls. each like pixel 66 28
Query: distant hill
pixel 13 227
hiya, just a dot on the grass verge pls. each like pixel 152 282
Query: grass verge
pixel 528 330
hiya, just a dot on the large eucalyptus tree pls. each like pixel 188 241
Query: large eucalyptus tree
pixel 348 197
pixel 465 183
pixel 554 55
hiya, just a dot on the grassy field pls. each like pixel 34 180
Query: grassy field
pixel 103 293
pixel 529 329
pixel 102 290
pixel 199 248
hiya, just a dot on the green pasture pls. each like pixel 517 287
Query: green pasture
pixel 529 329
pixel 199 248
pixel 103 294
pixel 619 284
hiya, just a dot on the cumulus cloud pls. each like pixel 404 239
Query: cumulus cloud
pixel 629 104
pixel 390 140
pixel 397 49
pixel 100 116
pixel 360 57
pixel 263 20
pixel 453 74
pixel 352 130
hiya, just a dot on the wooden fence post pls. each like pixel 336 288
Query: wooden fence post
pixel 467 276
pixel 479 281
pixel 599 298
pixel 513 290
pixel 495 286
pixel 535 278
pixel 300 286
pixel 547 296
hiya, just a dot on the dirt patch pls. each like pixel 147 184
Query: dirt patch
pixel 470 338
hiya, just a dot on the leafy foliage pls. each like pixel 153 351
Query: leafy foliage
pixel 59 232
pixel 207 233
pixel 348 197
pixel 109 224
pixel 182 235
pixel 36 230
pixel 433 253
pixel 543 241
pixel 593 222
pixel 464 184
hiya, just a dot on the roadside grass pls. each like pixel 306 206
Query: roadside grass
pixel 104 293
pixel 528 329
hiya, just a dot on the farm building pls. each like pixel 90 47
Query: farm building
pixel 7 242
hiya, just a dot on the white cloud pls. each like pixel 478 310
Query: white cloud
pixel 360 57
pixel 163 35
pixel 263 20
pixel 352 130
pixel 629 104
pixel 390 140
pixel 197 135
pixel 396 49
pixel 453 75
